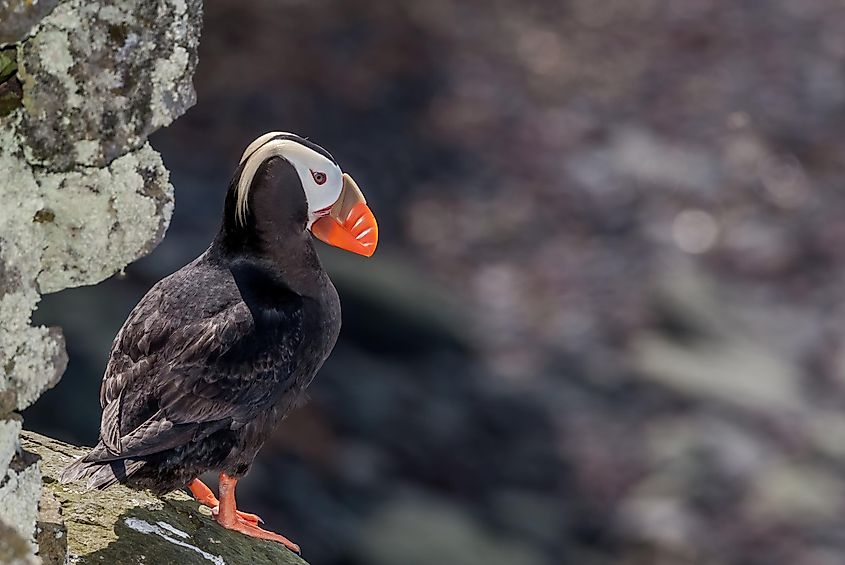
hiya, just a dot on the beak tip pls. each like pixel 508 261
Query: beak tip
pixel 351 235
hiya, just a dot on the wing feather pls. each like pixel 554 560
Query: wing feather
pixel 170 379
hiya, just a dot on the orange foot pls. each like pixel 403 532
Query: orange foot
pixel 204 495
pixel 227 514
pixel 239 524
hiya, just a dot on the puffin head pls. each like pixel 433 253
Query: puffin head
pixel 285 178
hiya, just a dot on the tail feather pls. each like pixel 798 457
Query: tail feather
pixel 77 470
pixel 100 474
pixel 113 472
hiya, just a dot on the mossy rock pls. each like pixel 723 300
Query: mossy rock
pixel 122 526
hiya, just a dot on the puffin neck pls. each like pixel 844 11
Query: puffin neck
pixel 292 261
pixel 272 237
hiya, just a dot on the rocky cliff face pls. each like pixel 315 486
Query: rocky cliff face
pixel 82 85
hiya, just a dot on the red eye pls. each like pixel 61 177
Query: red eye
pixel 319 177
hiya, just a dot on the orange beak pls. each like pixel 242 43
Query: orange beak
pixel 350 224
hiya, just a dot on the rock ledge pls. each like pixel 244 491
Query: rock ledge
pixel 122 526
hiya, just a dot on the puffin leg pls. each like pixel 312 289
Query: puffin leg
pixel 205 496
pixel 229 518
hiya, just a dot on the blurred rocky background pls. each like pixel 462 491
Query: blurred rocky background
pixel 604 325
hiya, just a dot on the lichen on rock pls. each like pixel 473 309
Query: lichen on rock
pixel 20 492
pixel 18 18
pixel 82 85
pixel 98 79
pixel 120 525
pixel 101 217
pixel 31 359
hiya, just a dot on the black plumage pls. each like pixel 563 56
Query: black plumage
pixel 217 353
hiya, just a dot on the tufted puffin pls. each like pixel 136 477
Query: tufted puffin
pixel 216 354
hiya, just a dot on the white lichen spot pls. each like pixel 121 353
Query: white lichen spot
pixel 132 43
pixel 9 430
pixel 144 527
pixel 54 54
pixel 154 504
pixel 106 220
pixel 87 150
pixel 167 73
pixel 109 79
pixel 19 495
pixel 113 14
pixel 65 16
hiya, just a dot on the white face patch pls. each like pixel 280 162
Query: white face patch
pixel 322 180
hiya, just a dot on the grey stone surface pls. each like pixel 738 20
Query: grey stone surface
pixel 9 430
pixel 98 219
pixel 98 78
pixel 51 532
pixel 18 18
pixel 120 525
pixel 19 495
pixel 83 192
pixel 14 550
